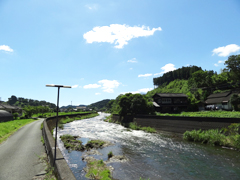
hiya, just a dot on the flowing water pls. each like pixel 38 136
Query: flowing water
pixel 152 156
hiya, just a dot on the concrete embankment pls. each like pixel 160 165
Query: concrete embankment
pixel 178 124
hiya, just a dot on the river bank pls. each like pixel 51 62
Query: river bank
pixel 151 156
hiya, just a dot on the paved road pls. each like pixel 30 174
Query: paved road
pixel 19 154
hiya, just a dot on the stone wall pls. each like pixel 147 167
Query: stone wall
pixel 178 124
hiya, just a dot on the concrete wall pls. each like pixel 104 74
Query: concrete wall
pixel 62 170
pixel 178 124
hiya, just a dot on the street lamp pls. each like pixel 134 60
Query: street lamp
pixel 58 86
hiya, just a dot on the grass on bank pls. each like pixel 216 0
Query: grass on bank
pixel 80 117
pixel 134 126
pixel 218 114
pixel 229 137
pixel 98 170
pixel 8 128
pixel 50 114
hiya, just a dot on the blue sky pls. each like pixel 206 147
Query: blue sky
pixel 104 48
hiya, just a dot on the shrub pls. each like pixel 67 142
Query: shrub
pixel 15 115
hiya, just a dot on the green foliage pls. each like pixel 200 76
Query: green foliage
pixel 225 137
pixel 41 127
pixel 110 154
pixel 134 126
pixel 94 144
pixel 23 102
pixel 71 143
pixel 235 101
pixel 182 73
pixel 99 105
pixel 233 67
pixel 42 140
pixel 8 128
pixel 130 104
pixel 176 86
pixel 98 170
pixel 15 116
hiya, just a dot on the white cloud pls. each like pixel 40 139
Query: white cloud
pixel 145 90
pixel 133 60
pixel 140 91
pixel 97 93
pixel 91 86
pixel 74 86
pixel 168 67
pixel 215 64
pixel 117 34
pixel 131 68
pixel 108 85
pixel 92 6
pixel 144 75
pixel 221 61
pixel 226 50
pixel 5 48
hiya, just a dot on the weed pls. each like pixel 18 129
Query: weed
pixel 98 170
pixel 110 154
pixel 42 140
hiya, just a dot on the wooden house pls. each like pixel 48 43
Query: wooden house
pixel 170 102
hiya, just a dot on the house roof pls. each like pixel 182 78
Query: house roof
pixel 219 95
pixel 219 98
pixel 7 106
pixel 170 95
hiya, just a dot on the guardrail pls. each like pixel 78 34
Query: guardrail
pixel 61 169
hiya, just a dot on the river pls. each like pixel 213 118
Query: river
pixel 152 156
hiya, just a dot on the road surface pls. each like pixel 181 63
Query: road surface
pixel 19 155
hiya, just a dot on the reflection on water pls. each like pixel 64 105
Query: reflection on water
pixel 150 155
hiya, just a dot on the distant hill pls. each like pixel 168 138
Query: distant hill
pixel 74 107
pixel 99 104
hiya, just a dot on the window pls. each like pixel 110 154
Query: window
pixel 166 101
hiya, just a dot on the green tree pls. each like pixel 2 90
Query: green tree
pixel 131 104
pixel 29 111
pixel 235 101
pixel 233 67
pixel 12 100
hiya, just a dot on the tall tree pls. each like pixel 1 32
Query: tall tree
pixel 233 67
pixel 12 100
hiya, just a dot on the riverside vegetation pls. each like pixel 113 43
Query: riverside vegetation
pixel 228 137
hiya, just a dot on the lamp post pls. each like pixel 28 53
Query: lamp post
pixel 58 86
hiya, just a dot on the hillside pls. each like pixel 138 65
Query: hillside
pixel 99 104
pixel 176 86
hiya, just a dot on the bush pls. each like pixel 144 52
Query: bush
pixel 15 116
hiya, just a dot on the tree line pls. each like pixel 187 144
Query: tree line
pixel 181 73
pixel 23 102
